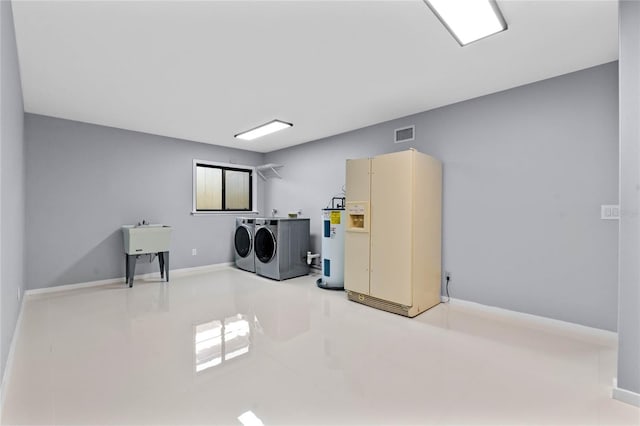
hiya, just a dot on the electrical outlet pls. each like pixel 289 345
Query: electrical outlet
pixel 447 275
pixel 194 252
pixel 610 211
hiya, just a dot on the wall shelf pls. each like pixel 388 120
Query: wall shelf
pixel 267 171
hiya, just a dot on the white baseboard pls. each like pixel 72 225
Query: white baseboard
pixel 150 275
pixel 625 395
pixel 6 375
pixel 543 321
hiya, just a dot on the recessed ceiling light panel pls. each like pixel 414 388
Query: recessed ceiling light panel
pixel 469 20
pixel 264 129
pixel 248 418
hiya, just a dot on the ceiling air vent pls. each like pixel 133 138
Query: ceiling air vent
pixel 404 134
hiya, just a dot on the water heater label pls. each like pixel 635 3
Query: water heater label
pixel 335 218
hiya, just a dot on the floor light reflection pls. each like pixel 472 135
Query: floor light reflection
pixel 217 341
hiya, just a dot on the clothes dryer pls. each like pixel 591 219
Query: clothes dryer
pixel 281 246
pixel 243 243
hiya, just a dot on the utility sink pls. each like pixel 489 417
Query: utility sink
pixel 145 239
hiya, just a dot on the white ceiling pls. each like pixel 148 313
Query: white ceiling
pixel 205 71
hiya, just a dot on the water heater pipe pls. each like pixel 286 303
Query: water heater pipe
pixel 311 256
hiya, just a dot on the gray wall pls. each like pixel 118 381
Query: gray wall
pixel 12 187
pixel 85 181
pixel 629 306
pixel 525 172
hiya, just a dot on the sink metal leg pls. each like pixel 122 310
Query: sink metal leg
pixel 161 262
pixel 131 260
pixel 130 266
pixel 165 257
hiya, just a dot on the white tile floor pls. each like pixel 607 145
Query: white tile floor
pixel 208 348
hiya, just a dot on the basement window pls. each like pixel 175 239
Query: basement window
pixel 223 188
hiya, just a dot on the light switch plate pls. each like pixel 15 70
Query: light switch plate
pixel 610 211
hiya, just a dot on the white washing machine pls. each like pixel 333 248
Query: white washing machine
pixel 243 245
pixel 281 246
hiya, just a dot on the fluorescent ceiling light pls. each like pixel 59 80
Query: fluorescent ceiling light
pixel 469 20
pixel 265 129
pixel 248 418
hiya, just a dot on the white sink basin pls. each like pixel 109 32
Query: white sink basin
pixel 146 239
